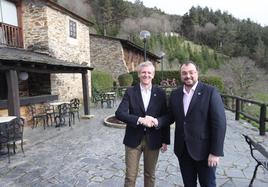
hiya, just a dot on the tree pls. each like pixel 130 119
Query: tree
pixel 156 24
pixel 240 76
pixel 265 35
pixel 187 26
pixel 259 49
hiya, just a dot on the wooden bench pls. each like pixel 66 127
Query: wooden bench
pixel 261 158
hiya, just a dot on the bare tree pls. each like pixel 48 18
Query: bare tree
pixel 80 7
pixel 209 27
pixel 156 23
pixel 129 27
pixel 240 76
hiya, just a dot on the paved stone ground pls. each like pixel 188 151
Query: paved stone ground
pixel 91 154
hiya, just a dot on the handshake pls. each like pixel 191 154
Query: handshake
pixel 148 121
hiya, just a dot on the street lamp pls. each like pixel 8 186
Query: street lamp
pixel 161 55
pixel 144 35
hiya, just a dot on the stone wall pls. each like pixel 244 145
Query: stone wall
pixel 63 47
pixel 46 30
pixel 35 28
pixel 107 55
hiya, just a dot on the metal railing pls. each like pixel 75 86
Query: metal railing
pixel 11 35
pixel 242 106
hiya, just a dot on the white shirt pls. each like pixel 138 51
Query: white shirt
pixel 146 96
pixel 187 97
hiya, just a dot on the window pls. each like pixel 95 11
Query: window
pixel 72 29
pixel 8 13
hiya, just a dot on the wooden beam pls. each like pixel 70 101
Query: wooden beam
pixel 13 93
pixel 85 93
pixel 43 69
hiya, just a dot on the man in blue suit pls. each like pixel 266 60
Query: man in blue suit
pixel 199 115
pixel 140 104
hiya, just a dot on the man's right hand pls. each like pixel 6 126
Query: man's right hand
pixel 148 121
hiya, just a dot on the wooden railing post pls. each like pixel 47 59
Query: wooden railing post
pixel 233 103
pixel 262 119
pixel 237 108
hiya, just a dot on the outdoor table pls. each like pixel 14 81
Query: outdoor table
pixel 6 119
pixel 59 103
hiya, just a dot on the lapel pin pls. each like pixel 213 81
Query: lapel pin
pixel 198 93
pixel 154 94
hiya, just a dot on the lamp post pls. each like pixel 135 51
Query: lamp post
pixel 144 35
pixel 162 54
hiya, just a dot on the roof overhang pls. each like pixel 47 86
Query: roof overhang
pixel 24 60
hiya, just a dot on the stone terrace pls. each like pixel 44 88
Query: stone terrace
pixel 91 154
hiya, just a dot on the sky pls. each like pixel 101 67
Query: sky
pixel 256 10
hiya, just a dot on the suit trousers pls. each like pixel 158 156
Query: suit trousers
pixel 191 169
pixel 132 159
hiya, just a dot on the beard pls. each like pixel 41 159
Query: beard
pixel 188 82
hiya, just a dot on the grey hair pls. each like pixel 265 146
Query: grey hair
pixel 145 64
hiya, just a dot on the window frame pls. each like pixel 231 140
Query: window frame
pixel 72 29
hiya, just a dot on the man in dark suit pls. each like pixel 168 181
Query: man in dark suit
pixel 198 112
pixel 140 104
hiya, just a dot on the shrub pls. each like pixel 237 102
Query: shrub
pixel 214 81
pixel 135 77
pixel 101 80
pixel 211 80
pixel 125 79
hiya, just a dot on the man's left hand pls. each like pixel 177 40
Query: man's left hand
pixel 213 160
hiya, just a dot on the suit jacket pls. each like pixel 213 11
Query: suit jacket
pixel 131 108
pixel 203 128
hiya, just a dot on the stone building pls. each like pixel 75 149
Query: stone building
pixel 117 56
pixel 52 48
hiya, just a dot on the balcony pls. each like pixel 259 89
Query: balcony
pixel 10 36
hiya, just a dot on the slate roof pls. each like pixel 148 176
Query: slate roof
pixel 15 56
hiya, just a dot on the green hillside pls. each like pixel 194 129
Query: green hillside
pixel 222 45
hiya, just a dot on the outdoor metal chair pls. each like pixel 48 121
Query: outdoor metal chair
pixel 74 108
pixel 4 137
pixel 17 133
pixel 97 97
pixel 50 112
pixel 36 117
pixel 63 114
pixel 12 132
